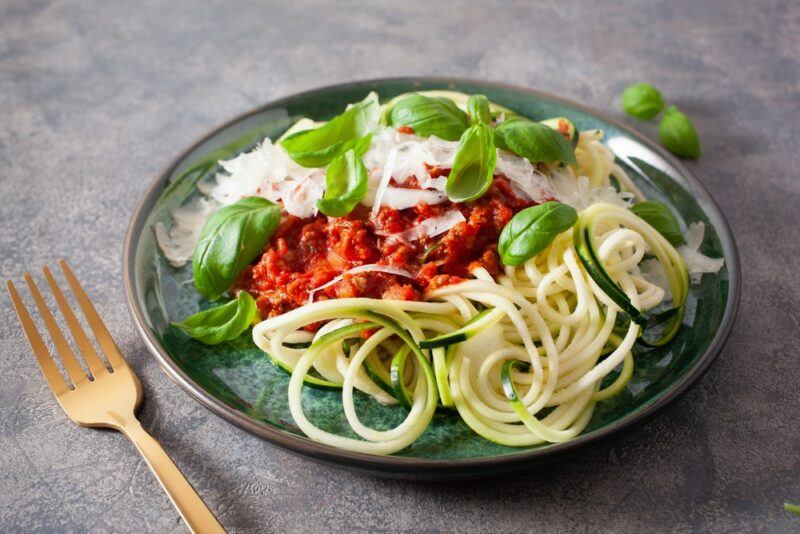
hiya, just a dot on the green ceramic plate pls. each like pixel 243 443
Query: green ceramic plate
pixel 237 382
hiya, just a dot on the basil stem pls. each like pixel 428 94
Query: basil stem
pixel 430 116
pixel 534 141
pixel 345 185
pixel 221 323
pixel 229 241
pixel 473 168
pixel 350 130
pixel 532 230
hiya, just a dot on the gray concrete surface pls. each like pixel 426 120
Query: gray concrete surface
pixel 96 97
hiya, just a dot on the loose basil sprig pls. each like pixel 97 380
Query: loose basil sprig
pixel 642 101
pixel 473 167
pixel 345 185
pixel 430 116
pixel 677 133
pixel 229 241
pixel 350 130
pixel 534 141
pixel 661 218
pixel 222 323
pixel 532 230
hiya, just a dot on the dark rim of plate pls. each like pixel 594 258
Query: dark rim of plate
pixel 422 468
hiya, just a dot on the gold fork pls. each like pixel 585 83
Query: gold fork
pixel 107 397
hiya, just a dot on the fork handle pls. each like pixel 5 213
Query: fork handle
pixel 193 510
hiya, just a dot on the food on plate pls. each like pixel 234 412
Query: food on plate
pixel 438 252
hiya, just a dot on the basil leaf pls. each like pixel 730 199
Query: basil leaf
pixel 678 134
pixel 229 241
pixel 345 185
pixel 478 109
pixel 316 148
pixel 532 230
pixel 661 218
pixel 222 323
pixel 430 116
pixel 792 507
pixel 473 168
pixel 534 141
pixel 642 101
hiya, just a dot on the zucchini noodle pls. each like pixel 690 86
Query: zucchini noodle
pixel 597 162
pixel 523 356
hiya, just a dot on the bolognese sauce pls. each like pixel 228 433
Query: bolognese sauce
pixel 305 254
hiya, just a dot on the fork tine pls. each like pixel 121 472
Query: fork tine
pixel 101 333
pixel 71 365
pixel 93 361
pixel 48 366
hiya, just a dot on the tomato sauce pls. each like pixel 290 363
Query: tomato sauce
pixel 304 254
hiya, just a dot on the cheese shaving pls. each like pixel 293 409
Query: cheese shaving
pixel 430 227
pixel 370 267
pixel 696 262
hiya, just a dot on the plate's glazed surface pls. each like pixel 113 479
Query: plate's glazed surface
pixel 238 382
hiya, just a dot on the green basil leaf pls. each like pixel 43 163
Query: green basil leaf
pixel 678 134
pixel 222 323
pixel 642 101
pixel 792 507
pixel 430 116
pixel 345 185
pixel 532 230
pixel 661 218
pixel 478 109
pixel 229 241
pixel 534 141
pixel 317 147
pixel 473 168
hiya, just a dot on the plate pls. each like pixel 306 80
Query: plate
pixel 237 381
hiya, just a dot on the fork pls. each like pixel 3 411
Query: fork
pixel 106 396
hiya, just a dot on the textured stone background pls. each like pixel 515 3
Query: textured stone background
pixel 95 99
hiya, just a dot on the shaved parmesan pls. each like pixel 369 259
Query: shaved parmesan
pixel 400 198
pixel 430 227
pixel 178 242
pixel 524 178
pixel 580 194
pixel 439 184
pixel 370 267
pixel 268 171
pixel 300 197
pixel 696 262
pixel 386 176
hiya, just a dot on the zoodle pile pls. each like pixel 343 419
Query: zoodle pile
pixel 439 252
